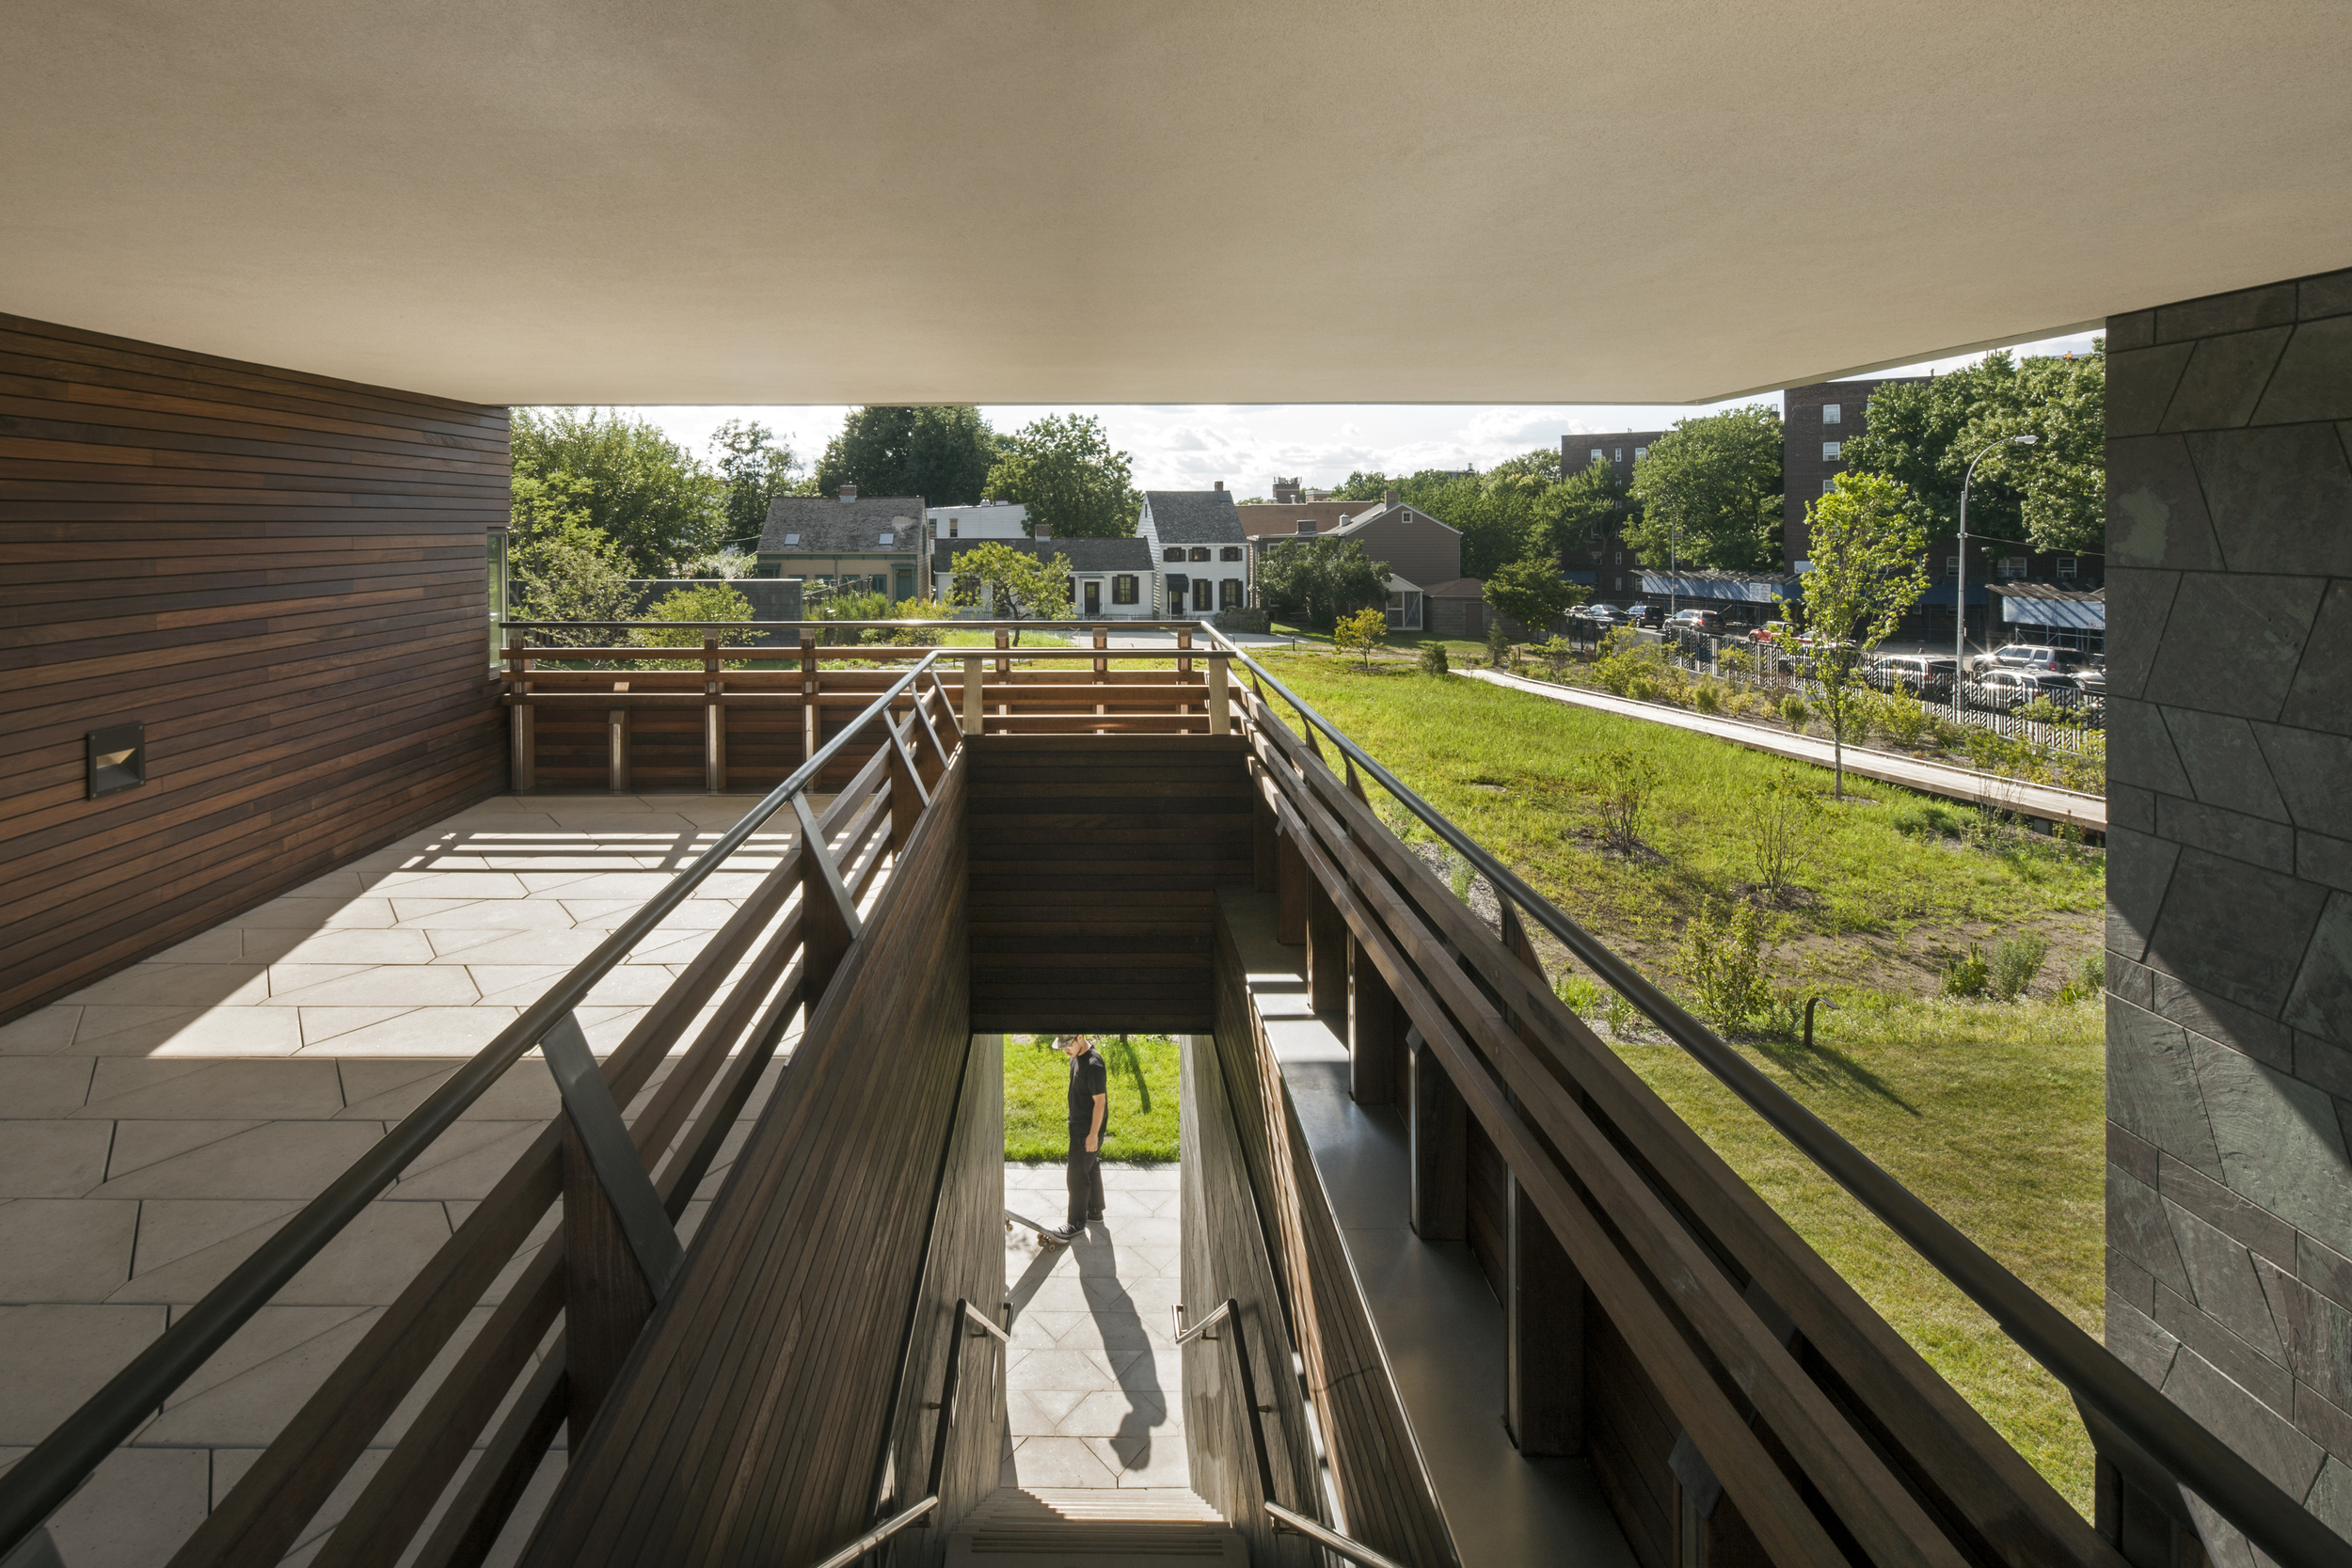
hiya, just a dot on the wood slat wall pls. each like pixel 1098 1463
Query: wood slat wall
pixel 747 1425
pixel 1095 865
pixel 282 576
pixel 1388 1501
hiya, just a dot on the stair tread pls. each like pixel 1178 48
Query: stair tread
pixel 1093 1527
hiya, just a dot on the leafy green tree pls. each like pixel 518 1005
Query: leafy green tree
pixel 625 479
pixel 1360 633
pixel 2052 494
pixel 1868 571
pixel 1583 507
pixel 940 453
pixel 1062 468
pixel 1711 492
pixel 567 571
pixel 708 601
pixel 1322 579
pixel 1014 584
pixel 754 471
pixel 1521 507
pixel 1533 591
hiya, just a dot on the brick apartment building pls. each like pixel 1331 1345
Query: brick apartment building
pixel 1604 563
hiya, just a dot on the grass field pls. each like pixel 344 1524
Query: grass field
pixel 1991 1111
pixel 1143 1091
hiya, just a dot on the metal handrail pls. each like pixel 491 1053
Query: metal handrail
pixel 1185 1336
pixel 47 1476
pixel 1331 1540
pixel 879 1534
pixel 2197 1459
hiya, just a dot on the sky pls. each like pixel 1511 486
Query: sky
pixel 1191 447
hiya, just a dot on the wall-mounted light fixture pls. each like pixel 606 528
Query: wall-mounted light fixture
pixel 117 759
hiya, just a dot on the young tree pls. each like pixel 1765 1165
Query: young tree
pixel 708 601
pixel 754 471
pixel 626 480
pixel 940 453
pixel 1063 469
pixel 1710 491
pixel 1533 591
pixel 1360 633
pixel 1321 580
pixel 1016 584
pixel 1867 573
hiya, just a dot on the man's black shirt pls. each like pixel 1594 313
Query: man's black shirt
pixel 1089 1077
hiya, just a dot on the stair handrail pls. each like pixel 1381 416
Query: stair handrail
pixel 960 1327
pixel 45 1478
pixel 1286 1519
pixel 2135 1410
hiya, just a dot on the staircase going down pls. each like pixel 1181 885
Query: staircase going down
pixel 1093 1527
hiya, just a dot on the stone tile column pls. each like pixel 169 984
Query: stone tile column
pixel 2230 873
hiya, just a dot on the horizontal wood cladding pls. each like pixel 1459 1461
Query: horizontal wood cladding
pixel 1094 868
pixel 282 576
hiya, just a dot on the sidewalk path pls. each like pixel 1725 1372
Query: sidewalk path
pixel 2088 812
pixel 1093 1389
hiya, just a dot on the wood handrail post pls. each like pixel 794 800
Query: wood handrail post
pixel 829 918
pixel 974 711
pixel 812 726
pixel 1004 665
pixel 1543 1295
pixel 1184 641
pixel 714 719
pixel 908 798
pixel 607 1301
pixel 1102 666
pixel 616 743
pixel 1373 1030
pixel 1220 698
pixel 522 772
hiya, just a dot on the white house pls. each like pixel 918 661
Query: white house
pixel 981 520
pixel 1109 578
pixel 1195 539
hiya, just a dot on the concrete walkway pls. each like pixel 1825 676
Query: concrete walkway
pixel 158 1125
pixel 2088 812
pixel 1093 1382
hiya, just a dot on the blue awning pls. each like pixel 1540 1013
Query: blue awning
pixel 2074 614
pixel 1688 586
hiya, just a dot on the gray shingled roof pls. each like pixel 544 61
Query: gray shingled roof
pixel 1374 510
pixel 1195 517
pixel 1086 555
pixel 829 526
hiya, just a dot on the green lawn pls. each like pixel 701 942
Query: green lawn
pixel 1143 1114
pixel 1991 1114
pixel 1992 1111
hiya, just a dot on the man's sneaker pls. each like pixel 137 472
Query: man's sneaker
pixel 1063 1236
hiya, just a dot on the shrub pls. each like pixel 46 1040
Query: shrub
pixel 1968 977
pixel 1582 995
pixel 1948 735
pixel 1458 876
pixel 1433 658
pixel 1497 645
pixel 1623 778
pixel 1556 653
pixel 711 601
pixel 2014 964
pixel 1902 719
pixel 1707 696
pixel 1360 633
pixel 1783 820
pixel 2091 979
pixel 1794 712
pixel 1928 819
pixel 1724 960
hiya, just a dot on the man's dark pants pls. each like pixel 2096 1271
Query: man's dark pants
pixel 1085 1178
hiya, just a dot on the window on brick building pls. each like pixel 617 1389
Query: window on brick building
pixel 1833 414
pixel 1830 451
pixel 1620 455
pixel 1640 452
pixel 2066 565
pixel 1827 485
pixel 1596 454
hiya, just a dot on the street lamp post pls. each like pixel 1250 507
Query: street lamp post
pixel 1960 592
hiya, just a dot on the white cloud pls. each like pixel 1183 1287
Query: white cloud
pixel 1188 447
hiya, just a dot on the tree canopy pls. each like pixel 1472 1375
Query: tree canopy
pixel 621 477
pixel 1531 591
pixel 940 453
pixel 1503 515
pixel 1062 468
pixel 1921 434
pixel 1710 491
pixel 754 471
pixel 1012 584
pixel 1321 580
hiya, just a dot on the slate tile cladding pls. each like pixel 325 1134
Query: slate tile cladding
pixel 2230 869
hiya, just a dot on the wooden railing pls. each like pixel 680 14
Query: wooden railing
pixel 1825 1435
pixel 637 726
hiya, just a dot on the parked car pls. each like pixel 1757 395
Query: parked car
pixel 1646 615
pixel 1783 632
pixel 1706 621
pixel 1919 675
pixel 2033 656
pixel 2006 691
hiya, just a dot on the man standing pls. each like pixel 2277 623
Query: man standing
pixel 1089 1111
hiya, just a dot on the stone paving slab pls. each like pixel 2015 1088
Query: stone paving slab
pixel 1094 1397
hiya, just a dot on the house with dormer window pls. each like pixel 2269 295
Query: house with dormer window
pixel 1199 554
pixel 849 544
